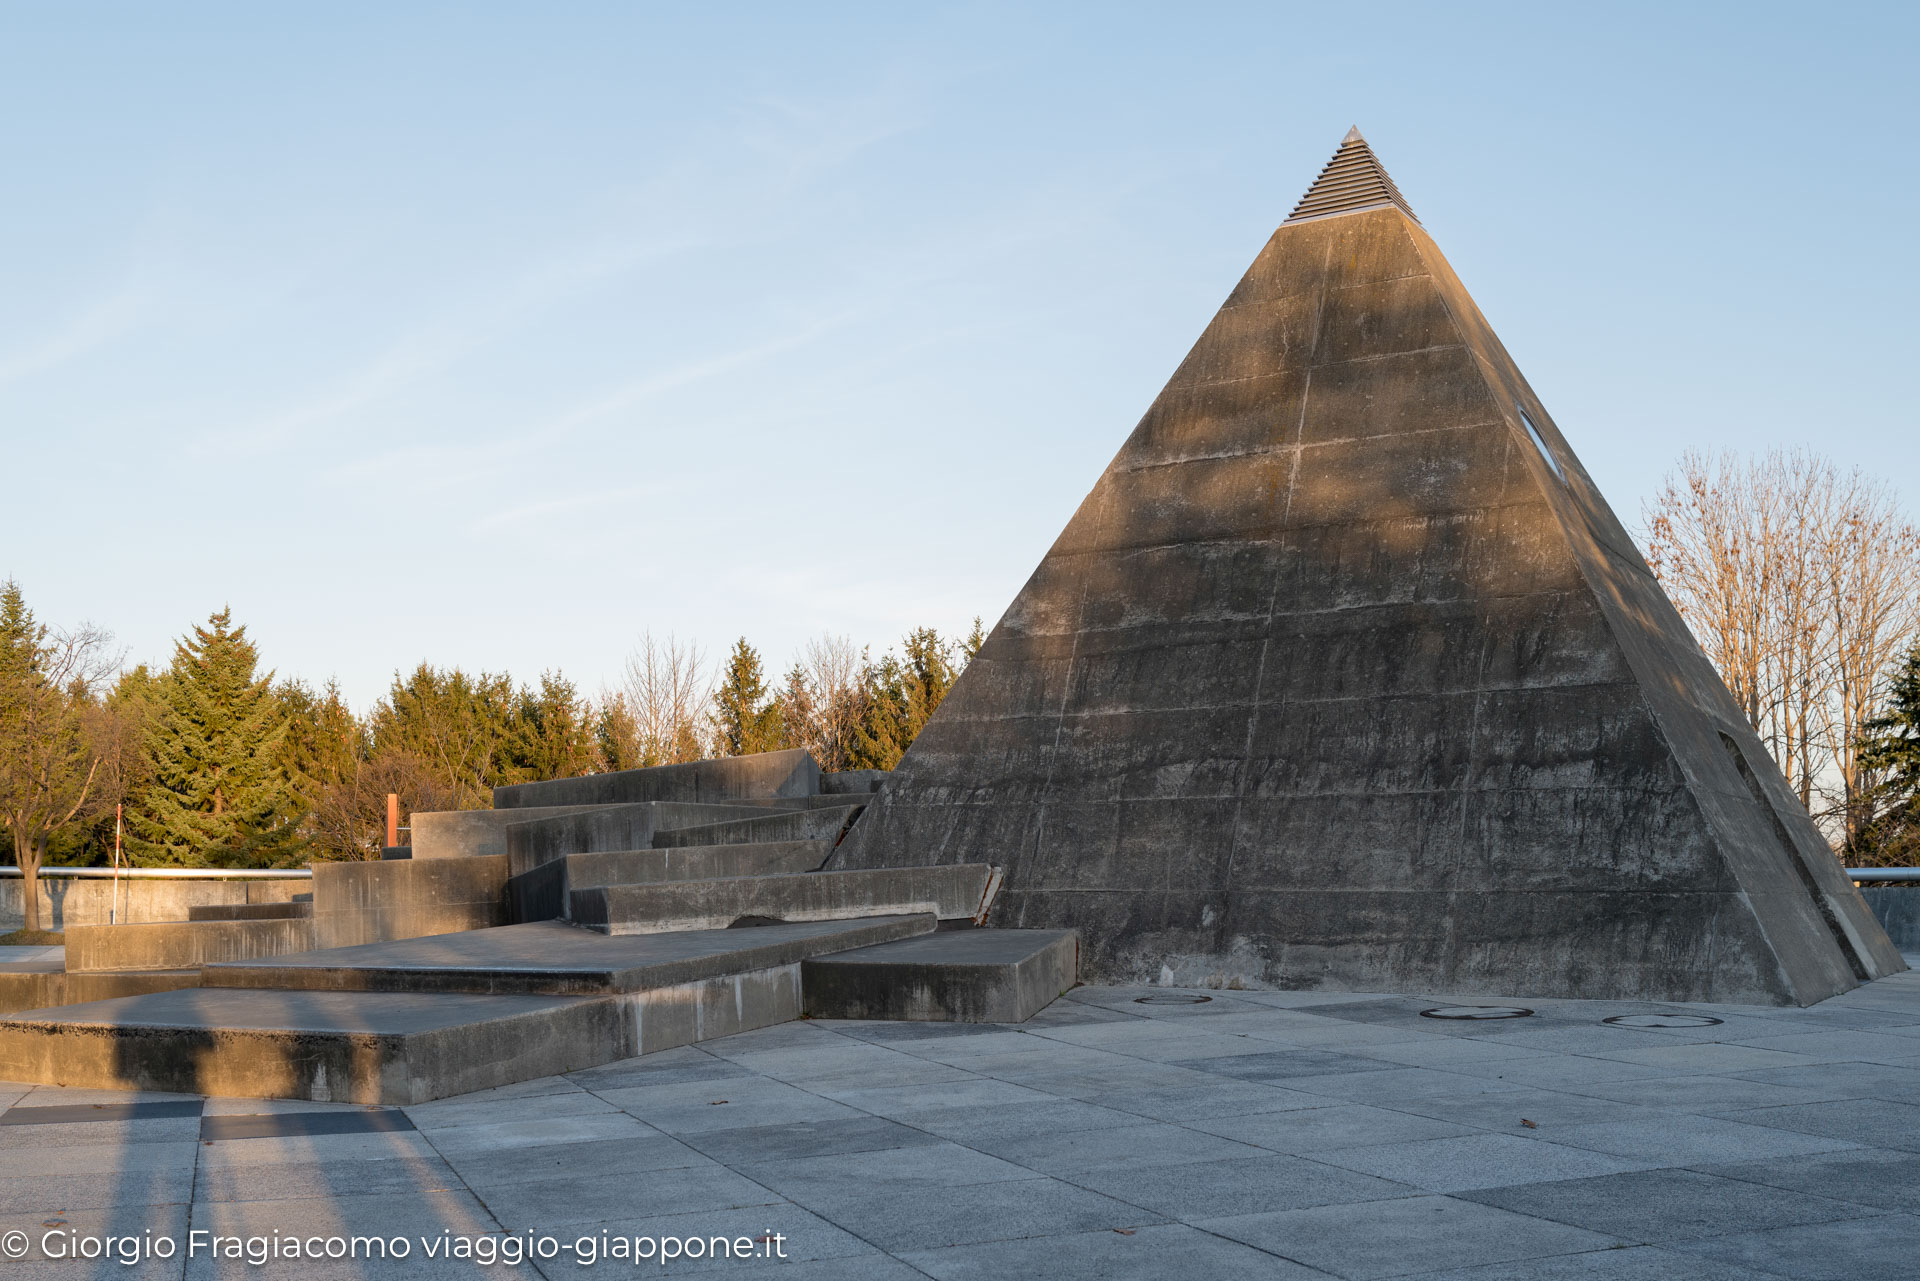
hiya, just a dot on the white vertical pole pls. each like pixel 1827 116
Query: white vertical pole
pixel 113 908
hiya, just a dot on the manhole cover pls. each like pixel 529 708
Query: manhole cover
pixel 1171 999
pixel 1662 1020
pixel 1476 1012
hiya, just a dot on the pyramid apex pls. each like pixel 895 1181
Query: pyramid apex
pixel 1353 180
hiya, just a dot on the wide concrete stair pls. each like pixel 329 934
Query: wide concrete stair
pixel 584 921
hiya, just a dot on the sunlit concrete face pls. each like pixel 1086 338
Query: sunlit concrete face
pixel 1339 678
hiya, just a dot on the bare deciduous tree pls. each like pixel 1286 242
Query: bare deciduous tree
pixel 1802 583
pixel 666 695
pixel 56 738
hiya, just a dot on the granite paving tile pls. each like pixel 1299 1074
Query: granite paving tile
pixel 1388 1236
pixel 1146 1254
pixel 1650 1207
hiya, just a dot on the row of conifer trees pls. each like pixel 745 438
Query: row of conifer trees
pixel 214 761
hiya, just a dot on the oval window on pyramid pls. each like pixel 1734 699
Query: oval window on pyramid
pixel 1540 443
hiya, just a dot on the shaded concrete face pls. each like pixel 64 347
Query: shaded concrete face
pixel 1336 680
pixel 763 775
pixel 961 976
pixel 357 903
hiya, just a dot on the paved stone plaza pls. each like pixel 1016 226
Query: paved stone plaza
pixel 1121 1133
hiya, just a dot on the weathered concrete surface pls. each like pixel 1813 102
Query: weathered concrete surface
pixel 180 945
pixel 1333 681
pixel 346 1047
pixel 459 833
pixel 958 892
pixel 960 976
pixel 249 911
pixel 859 782
pixel 629 827
pixel 768 774
pixel 553 959
pixel 86 901
pixel 1897 908
pixel 38 988
pixel 375 902
pixel 823 823
pixel 544 893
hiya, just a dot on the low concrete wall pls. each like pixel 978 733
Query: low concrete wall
pixel 1897 907
pixel 356 903
pixel 728 778
pixel 181 945
pixel 40 991
pixel 68 901
pixel 458 833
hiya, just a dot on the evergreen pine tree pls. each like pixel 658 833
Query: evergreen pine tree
pixel 553 731
pixel 880 734
pixel 746 719
pixel 1892 750
pixel 970 648
pixel 219 793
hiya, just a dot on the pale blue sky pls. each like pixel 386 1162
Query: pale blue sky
pixel 494 334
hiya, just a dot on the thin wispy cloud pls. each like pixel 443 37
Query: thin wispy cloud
pixel 91 329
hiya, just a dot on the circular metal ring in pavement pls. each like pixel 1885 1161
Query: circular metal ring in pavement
pixel 1477 1012
pixel 1663 1020
pixel 1171 999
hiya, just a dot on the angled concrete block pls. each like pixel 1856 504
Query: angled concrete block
pixel 544 893
pixel 181 945
pixel 730 778
pixel 340 1047
pixel 949 893
pixel 822 823
pixel 961 976
pixel 374 902
pixel 550 958
pixel 459 833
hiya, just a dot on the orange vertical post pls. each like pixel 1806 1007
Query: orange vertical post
pixel 393 819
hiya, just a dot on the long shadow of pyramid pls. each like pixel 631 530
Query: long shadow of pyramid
pixel 1346 675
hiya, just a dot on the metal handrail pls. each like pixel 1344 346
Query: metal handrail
pixel 170 873
pixel 1884 874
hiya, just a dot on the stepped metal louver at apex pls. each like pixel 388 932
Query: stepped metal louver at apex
pixel 1345 675
pixel 1352 180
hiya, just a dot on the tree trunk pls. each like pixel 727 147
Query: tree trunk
pixel 28 858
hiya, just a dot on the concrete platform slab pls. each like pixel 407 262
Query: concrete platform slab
pixel 551 958
pixel 957 892
pixel 329 1046
pixel 967 976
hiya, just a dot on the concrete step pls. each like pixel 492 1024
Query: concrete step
pixel 961 976
pixel 40 985
pixel 251 911
pixel 617 827
pixel 552 999
pixel 180 945
pixel 825 823
pixel 543 894
pixel 955 892
pixel 339 1047
pixel 763 775
pixel 551 958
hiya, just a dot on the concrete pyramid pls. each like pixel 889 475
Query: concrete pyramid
pixel 1345 675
